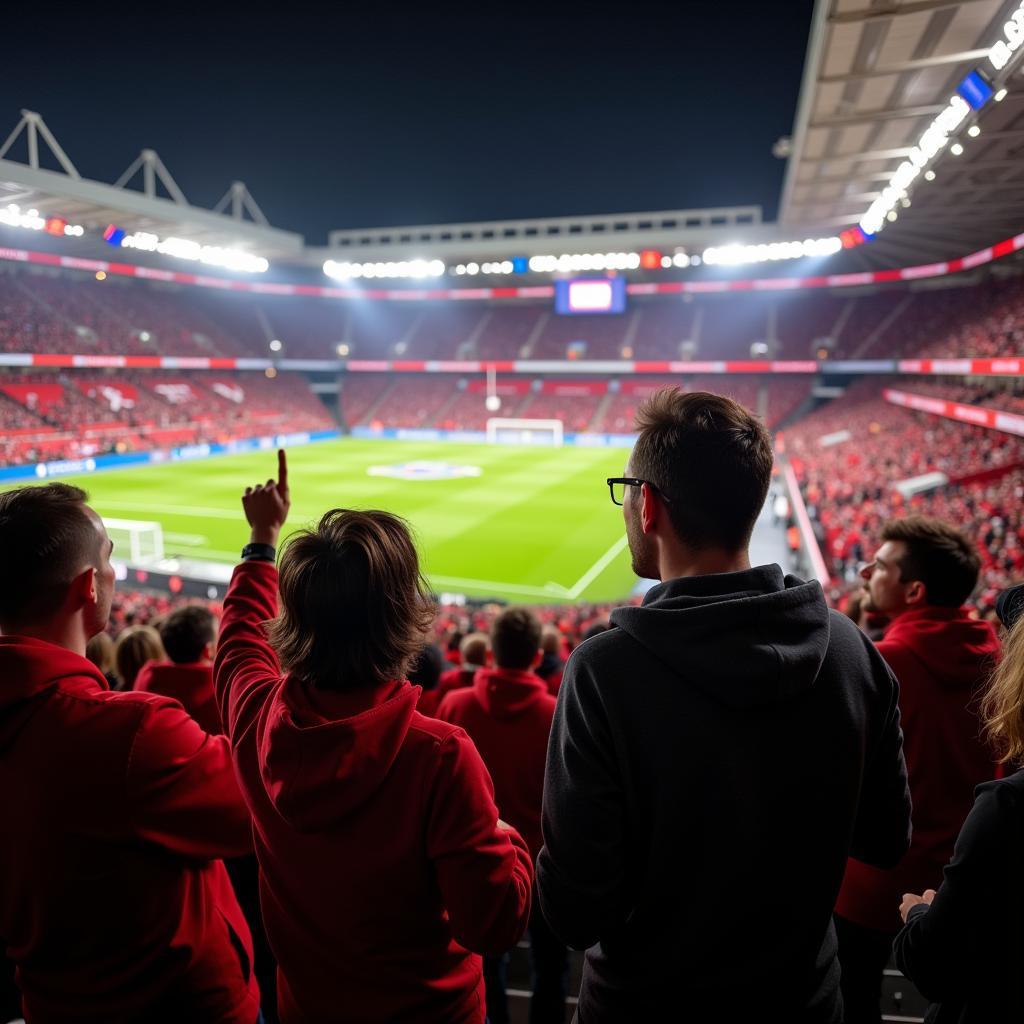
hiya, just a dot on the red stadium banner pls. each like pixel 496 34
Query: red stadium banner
pixel 501 387
pixel 114 394
pixel 37 397
pixel 975 259
pixel 574 388
pixel 993 419
pixel 606 367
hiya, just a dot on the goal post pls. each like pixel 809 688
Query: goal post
pixel 525 431
pixel 136 541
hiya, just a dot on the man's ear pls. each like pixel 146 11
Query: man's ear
pixel 649 508
pixel 916 593
pixel 210 650
pixel 83 588
pixel 537 659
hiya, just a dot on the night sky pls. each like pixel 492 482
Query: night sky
pixel 383 114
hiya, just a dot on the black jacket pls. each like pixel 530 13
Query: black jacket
pixel 714 758
pixel 966 952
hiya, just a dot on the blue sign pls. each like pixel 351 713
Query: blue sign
pixel 975 89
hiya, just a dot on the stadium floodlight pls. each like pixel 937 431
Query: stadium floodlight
pixel 397 269
pixel 186 249
pixel 929 175
pixel 31 220
pixel 275 345
pixel 974 131
pixel 1000 96
pixel 569 263
pixel 934 139
pixel 734 255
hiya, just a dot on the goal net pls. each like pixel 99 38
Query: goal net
pixel 136 541
pixel 539 432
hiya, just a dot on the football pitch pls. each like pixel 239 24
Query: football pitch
pixel 530 524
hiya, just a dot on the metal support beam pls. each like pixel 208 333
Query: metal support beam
pixel 920 64
pixel 883 114
pixel 894 10
pixel 33 125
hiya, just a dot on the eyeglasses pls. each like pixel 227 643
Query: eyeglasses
pixel 617 487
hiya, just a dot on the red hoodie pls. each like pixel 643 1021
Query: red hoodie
pixel 114 807
pixel 190 685
pixel 507 714
pixel 941 659
pixel 381 861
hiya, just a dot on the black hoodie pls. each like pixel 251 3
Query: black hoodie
pixel 714 758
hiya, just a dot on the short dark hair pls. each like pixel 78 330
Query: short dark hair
pixel 186 632
pixel 938 555
pixel 712 461
pixel 426 668
pixel 515 638
pixel 46 539
pixel 354 606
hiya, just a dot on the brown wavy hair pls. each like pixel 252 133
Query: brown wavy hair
pixel 355 607
pixel 1002 707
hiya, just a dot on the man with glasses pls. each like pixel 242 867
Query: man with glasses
pixel 716 755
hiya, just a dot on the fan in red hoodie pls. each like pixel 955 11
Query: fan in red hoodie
pixel 189 636
pixel 472 657
pixel 116 806
pixel 921 576
pixel 382 859
pixel 507 714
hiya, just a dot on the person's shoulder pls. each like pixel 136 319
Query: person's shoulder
pixel 1006 792
pixel 435 730
pixel 596 649
pixel 845 637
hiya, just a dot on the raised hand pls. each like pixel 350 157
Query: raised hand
pixel 266 505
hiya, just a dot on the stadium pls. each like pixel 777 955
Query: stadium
pixel 481 379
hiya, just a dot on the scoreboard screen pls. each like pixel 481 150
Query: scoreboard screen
pixel 590 295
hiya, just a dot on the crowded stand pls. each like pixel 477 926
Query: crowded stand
pixel 852 456
pixel 66 415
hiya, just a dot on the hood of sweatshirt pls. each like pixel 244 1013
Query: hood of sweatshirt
pixel 507 692
pixel 955 649
pixel 324 754
pixel 29 668
pixel 747 639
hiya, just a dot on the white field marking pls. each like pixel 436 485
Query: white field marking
pixel 511 588
pixel 191 540
pixel 191 510
pixel 592 573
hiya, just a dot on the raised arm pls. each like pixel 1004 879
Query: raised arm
pixel 245 664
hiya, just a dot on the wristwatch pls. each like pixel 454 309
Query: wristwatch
pixel 259 553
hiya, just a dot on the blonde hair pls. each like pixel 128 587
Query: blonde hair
pixel 135 646
pixel 1002 707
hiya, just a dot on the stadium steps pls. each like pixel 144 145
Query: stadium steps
pixel 836 332
pixel 894 314
pixel 442 412
pixel 538 329
pixel 597 423
pixel 467 348
pixel 367 416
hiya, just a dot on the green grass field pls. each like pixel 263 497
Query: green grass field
pixel 536 525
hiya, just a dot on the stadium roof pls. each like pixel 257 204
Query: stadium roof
pixel 65 193
pixel 877 74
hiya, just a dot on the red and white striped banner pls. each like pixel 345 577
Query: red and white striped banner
pixel 994 419
pixel 577 367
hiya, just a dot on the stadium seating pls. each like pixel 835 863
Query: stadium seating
pixel 850 454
